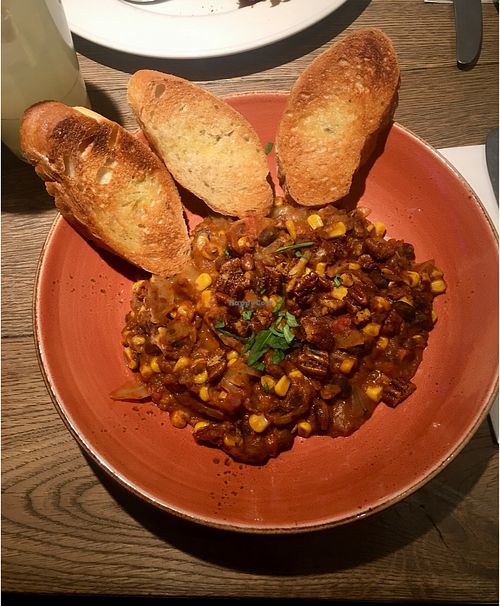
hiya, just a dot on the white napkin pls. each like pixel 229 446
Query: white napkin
pixel 470 161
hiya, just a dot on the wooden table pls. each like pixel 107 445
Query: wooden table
pixel 67 528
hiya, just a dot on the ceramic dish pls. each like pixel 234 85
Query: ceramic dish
pixel 187 29
pixel 82 296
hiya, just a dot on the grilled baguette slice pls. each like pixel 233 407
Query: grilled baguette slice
pixel 208 147
pixel 111 187
pixel 336 109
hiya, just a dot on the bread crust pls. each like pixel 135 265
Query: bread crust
pixel 336 109
pixel 108 185
pixel 208 147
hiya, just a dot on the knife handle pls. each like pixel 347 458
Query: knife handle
pixel 469 31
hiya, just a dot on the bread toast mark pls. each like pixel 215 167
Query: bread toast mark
pixel 208 147
pixel 336 109
pixel 108 185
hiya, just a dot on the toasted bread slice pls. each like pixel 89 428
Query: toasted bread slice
pixel 336 109
pixel 111 187
pixel 208 147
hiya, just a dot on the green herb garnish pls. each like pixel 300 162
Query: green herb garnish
pixel 294 246
pixel 278 339
pixel 279 305
pixel 227 252
pixel 247 314
pixel 266 387
pixel 278 356
pixel 220 328
pixel 337 280
pixel 268 148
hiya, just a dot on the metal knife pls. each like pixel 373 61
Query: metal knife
pixel 491 150
pixel 469 31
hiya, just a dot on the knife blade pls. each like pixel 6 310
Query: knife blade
pixel 491 150
pixel 469 31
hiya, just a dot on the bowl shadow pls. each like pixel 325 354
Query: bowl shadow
pixel 318 551
pixel 239 64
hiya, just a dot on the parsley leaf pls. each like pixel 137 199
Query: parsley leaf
pixel 278 356
pixel 247 314
pixel 279 305
pixel 337 281
pixel 288 334
pixel 268 148
pixel 219 327
pixel 277 339
pixel 294 246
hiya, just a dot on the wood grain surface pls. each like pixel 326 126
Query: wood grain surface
pixel 70 529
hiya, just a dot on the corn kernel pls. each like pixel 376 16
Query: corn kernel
pixel 232 355
pixel 406 300
pixel 436 273
pixel 282 386
pixel 380 303
pixel 347 365
pixel 185 311
pixel 243 242
pixel 353 266
pixel 204 393
pixel 138 340
pixel 295 374
pixel 438 286
pixel 362 315
pixel 339 292
pixel 336 230
pixel 182 362
pixel 203 281
pixel 201 425
pixel 320 269
pixel 304 429
pixel 146 371
pixel 434 316
pixel 374 392
pixel 179 419
pixel 258 423
pixel 315 221
pixel 372 329
pixel 155 366
pixel 412 278
pixel 265 298
pixel 131 361
pixel 347 279
pixel 268 381
pixel 290 227
pixel 231 441
pixel 201 377
pixel 206 298
pixel 379 228
pixel 382 343
pixel 231 362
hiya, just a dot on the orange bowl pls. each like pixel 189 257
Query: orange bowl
pixel 82 296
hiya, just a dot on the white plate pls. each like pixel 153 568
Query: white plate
pixel 185 29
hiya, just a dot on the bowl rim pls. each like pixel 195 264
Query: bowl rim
pixel 248 529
